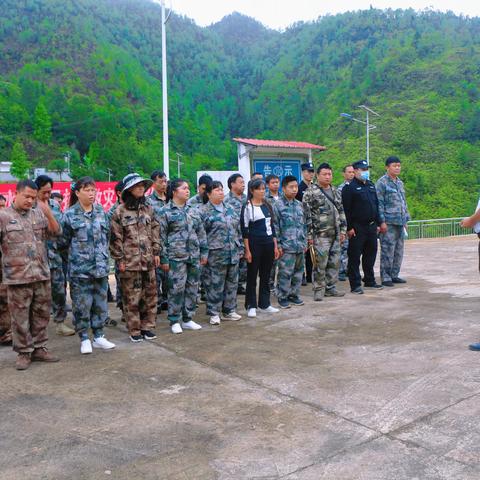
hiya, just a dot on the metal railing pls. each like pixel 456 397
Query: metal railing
pixel 436 228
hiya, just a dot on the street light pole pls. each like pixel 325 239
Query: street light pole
pixel 166 162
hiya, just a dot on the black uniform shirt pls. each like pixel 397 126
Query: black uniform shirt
pixel 301 190
pixel 360 203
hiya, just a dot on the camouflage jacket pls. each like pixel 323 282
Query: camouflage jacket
pixel 23 237
pixel 155 201
pixel 54 251
pixel 182 235
pixel 223 232
pixel 236 202
pixel 318 212
pixel 86 236
pixel 195 201
pixel 270 199
pixel 290 226
pixel 392 203
pixel 135 237
pixel 111 211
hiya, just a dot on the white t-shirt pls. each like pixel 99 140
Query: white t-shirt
pixel 476 227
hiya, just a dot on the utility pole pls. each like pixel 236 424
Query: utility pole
pixel 166 166
pixel 179 156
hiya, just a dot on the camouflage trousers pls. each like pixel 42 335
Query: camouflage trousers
pixel 29 306
pixel 274 274
pixel 139 297
pixel 344 258
pixel 290 273
pixel 89 305
pixel 391 257
pixel 5 322
pixel 59 294
pixel 162 285
pixel 242 272
pixel 183 280
pixel 221 283
pixel 325 275
pixel 118 288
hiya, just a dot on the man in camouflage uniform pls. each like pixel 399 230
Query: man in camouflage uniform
pixel 271 196
pixel 135 246
pixel 23 234
pixel 290 228
pixel 326 229
pixel 57 276
pixel 393 212
pixel 236 198
pixel 348 173
pixel 5 328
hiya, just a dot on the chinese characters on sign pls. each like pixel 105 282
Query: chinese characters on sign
pixel 277 166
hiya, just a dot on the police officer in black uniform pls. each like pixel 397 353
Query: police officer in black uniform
pixel 360 203
pixel 308 172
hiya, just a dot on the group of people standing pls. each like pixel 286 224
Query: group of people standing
pixel 170 251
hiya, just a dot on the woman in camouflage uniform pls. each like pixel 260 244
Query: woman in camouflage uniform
pixel 222 227
pixel 183 250
pixel 86 235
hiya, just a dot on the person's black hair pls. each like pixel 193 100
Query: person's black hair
pixel 2 198
pixel 256 173
pixel 271 177
pixel 23 184
pixel 174 185
pixel 392 159
pixel 255 184
pixel 232 179
pixel 205 180
pixel 77 186
pixel 289 178
pixel 42 180
pixel 322 166
pixel 56 195
pixel 118 186
pixel 208 189
pixel 157 174
pixel 344 169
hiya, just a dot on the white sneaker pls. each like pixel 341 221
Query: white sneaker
pixel 86 346
pixel 234 316
pixel 269 309
pixel 103 343
pixel 215 320
pixel 252 312
pixel 176 328
pixel 191 325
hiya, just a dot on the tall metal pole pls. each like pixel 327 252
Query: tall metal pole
pixel 166 162
pixel 368 140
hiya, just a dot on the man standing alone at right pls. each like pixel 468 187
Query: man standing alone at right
pixel 392 208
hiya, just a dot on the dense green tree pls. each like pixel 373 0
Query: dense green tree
pixel 20 164
pixel 42 124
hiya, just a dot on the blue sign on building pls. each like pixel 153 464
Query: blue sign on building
pixel 277 166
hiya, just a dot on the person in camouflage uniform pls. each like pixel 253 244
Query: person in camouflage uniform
pixel 203 182
pixel 224 238
pixel 271 196
pixel 86 235
pixel 326 230
pixel 23 234
pixel 393 212
pixel 57 276
pixel 183 250
pixel 290 227
pixel 348 174
pixel 5 323
pixel 237 199
pixel 135 246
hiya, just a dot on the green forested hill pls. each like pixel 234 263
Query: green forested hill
pixel 83 76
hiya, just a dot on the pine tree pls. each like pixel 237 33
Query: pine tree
pixel 20 164
pixel 42 124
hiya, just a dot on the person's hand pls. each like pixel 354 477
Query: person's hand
pixel 248 257
pixel 277 253
pixel 383 228
pixel 351 233
pixel 203 261
pixel 122 267
pixel 165 267
pixel 342 237
pixel 156 260
pixel 467 223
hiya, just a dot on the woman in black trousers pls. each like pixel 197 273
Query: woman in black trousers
pixel 260 247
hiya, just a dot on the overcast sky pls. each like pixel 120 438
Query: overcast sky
pixel 282 13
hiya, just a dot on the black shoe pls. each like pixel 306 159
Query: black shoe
pixel 109 322
pixel 388 283
pixel 376 286
pixel 284 303
pixel 296 301
pixel 136 338
pixel 164 306
pixel 148 335
pixel 159 309
pixel 398 280
pixel 358 290
pixel 241 291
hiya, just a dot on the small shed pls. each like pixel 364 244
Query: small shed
pixel 276 157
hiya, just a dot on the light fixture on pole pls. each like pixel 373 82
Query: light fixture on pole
pixel 166 166
pixel 366 122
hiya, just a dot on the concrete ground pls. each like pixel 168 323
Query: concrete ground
pixel 380 386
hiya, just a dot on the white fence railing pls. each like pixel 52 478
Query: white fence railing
pixel 436 228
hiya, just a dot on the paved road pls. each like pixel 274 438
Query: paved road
pixel 374 387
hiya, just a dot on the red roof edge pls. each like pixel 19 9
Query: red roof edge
pixel 278 143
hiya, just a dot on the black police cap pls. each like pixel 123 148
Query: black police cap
pixel 362 164
pixel 307 166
